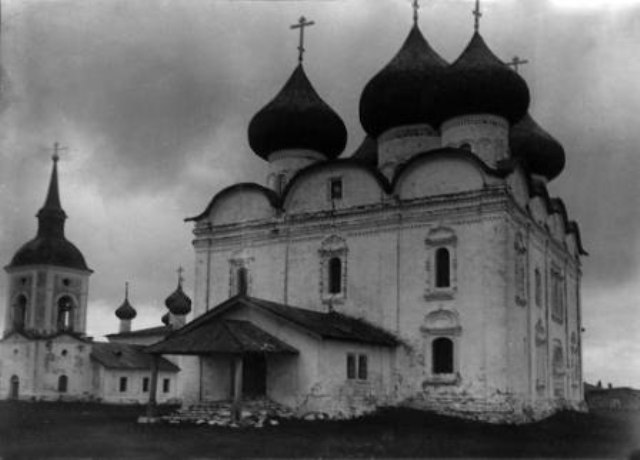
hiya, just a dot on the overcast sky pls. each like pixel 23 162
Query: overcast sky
pixel 153 99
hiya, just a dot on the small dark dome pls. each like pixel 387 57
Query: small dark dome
pixel 49 250
pixel 403 92
pixel 541 153
pixel 165 319
pixel 297 119
pixel 126 311
pixel 479 82
pixel 178 302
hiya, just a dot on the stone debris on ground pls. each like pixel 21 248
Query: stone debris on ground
pixel 256 413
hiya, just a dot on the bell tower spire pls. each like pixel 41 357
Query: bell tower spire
pixel 51 216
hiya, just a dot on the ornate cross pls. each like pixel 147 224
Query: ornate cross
pixel 516 61
pixel 56 151
pixel 477 14
pixel 180 278
pixel 416 7
pixel 302 23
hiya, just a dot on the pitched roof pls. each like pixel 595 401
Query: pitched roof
pixel 126 356
pixel 209 332
pixel 222 336
pixel 156 330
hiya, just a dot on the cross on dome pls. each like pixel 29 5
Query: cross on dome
pixel 56 151
pixel 180 278
pixel 416 7
pixel 517 61
pixel 477 15
pixel 302 23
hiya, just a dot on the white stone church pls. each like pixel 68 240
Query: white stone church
pixel 430 268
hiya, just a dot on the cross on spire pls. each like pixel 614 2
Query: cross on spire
pixel 516 61
pixel 416 7
pixel 180 278
pixel 477 15
pixel 56 151
pixel 302 23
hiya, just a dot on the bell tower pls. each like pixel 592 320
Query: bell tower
pixel 48 278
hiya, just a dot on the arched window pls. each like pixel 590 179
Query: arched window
pixel 442 356
pixel 63 382
pixel 65 313
pixel 14 389
pixel 335 275
pixel 443 268
pixel 241 280
pixel 20 312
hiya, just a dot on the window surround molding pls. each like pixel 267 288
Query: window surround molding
pixel 558 305
pixel 520 270
pixel 333 246
pixel 442 323
pixel 240 259
pixel 437 238
pixel 358 358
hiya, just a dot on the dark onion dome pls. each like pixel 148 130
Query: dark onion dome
pixel 178 302
pixel 297 119
pixel 165 319
pixel 479 82
pixel 404 91
pixel 541 153
pixel 50 247
pixel 126 311
pixel 367 152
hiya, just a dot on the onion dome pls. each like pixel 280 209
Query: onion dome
pixel 50 247
pixel 541 153
pixel 297 118
pixel 178 302
pixel 479 82
pixel 403 92
pixel 165 319
pixel 126 311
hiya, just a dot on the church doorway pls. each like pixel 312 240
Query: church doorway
pixel 254 375
pixel 14 387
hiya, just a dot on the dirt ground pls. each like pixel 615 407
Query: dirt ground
pixel 30 430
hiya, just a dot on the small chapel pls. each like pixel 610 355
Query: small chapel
pixel 430 268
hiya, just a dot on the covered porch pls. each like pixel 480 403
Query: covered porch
pixel 238 356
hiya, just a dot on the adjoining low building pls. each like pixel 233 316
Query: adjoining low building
pixel 612 398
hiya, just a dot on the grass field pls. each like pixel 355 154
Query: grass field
pixel 29 430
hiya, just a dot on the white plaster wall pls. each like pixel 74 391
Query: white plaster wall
pixel 488 136
pixel 289 162
pixel 134 395
pixel 241 206
pixel 17 357
pixel 397 145
pixel 310 193
pixel 437 176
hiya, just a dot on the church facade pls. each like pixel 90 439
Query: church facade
pixel 429 269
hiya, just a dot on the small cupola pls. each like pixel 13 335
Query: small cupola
pixel 480 98
pixel 398 106
pixel 125 312
pixel 178 303
pixel 542 154
pixel 296 128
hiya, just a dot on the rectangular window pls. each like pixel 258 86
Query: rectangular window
pixel 145 385
pixel 357 367
pixel 165 385
pixel 335 188
pixel 362 367
pixel 351 366
pixel 123 384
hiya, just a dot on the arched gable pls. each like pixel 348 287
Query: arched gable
pixel 310 189
pixel 240 203
pixel 442 171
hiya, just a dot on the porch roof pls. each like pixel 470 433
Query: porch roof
pixel 221 336
pixel 210 333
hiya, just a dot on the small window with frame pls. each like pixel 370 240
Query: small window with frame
pixel 357 366
pixel 335 188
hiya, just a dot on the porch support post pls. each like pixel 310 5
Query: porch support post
pixel 151 405
pixel 237 389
